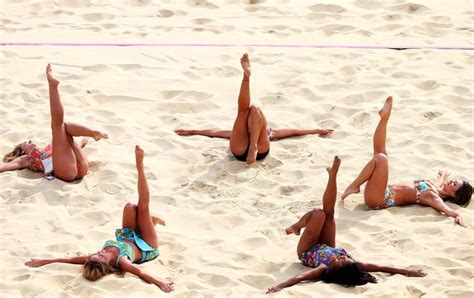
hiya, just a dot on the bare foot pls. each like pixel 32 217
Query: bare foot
pixel 49 75
pixel 351 189
pixel 252 155
pixel 292 230
pixel 156 220
pixel 387 108
pixel 245 62
pixel 84 142
pixel 139 155
pixel 332 170
pixel 100 135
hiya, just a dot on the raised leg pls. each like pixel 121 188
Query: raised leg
pixel 328 235
pixel 279 134
pixel 129 217
pixel 145 223
pixel 319 225
pixel 239 140
pixel 81 158
pixel 64 159
pixel 380 155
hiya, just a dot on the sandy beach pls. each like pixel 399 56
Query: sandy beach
pixel 224 234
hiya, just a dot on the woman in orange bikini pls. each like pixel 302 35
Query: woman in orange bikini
pixel 67 160
pixel 250 137
pixel 379 195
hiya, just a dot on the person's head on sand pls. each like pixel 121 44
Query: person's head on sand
pixel 344 271
pixel 97 266
pixel 19 150
pixel 458 192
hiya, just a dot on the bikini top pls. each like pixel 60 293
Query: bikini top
pixel 323 253
pixel 41 160
pixel 421 186
pixel 124 250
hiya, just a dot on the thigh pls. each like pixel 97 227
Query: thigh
pixel 263 140
pixel 328 234
pixel 146 227
pixel 374 193
pixel 64 159
pixel 312 231
pixel 129 217
pixel 239 138
pixel 81 158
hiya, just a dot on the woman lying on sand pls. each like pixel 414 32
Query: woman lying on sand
pixel 137 241
pixel 316 247
pixel 250 137
pixel 67 159
pixel 379 195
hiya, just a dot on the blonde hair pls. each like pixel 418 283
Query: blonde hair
pixel 17 152
pixel 94 270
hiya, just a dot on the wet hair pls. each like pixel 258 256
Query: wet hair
pixel 463 195
pixel 349 275
pixel 94 270
pixel 17 152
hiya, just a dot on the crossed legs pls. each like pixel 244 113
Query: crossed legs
pixel 69 160
pixel 375 172
pixel 319 225
pixel 250 126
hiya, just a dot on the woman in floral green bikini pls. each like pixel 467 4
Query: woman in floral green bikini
pixel 137 241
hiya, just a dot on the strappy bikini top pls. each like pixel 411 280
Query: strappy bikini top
pixel 421 186
pixel 39 158
pixel 124 250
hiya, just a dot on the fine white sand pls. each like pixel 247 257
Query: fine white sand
pixel 224 233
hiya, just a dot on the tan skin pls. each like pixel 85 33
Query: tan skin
pixel 250 126
pixel 137 217
pixel 320 228
pixel 69 160
pixel 375 173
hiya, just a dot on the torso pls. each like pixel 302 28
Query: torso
pixel 137 253
pixel 36 156
pixel 320 254
pixel 405 193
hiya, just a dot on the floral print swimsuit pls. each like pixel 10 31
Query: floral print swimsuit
pixel 320 254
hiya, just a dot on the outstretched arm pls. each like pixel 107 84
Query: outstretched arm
pixel 212 133
pixel 392 270
pixel 287 133
pixel 42 262
pixel 16 164
pixel 127 266
pixel 439 205
pixel 313 274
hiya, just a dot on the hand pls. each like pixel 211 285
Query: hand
pixel 415 273
pixel 458 220
pixel 274 289
pixel 324 131
pixel 139 154
pixel 166 286
pixel 36 263
pixel 443 174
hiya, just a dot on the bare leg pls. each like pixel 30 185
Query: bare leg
pixel 81 158
pixel 64 159
pixel 259 141
pixel 288 133
pixel 380 157
pixel 239 139
pixel 319 225
pixel 145 223
pixel 328 235
pixel 212 133
pixel 77 130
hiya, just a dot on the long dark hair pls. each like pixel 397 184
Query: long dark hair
pixel 463 195
pixel 349 275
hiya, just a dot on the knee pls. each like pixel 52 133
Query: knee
pixel 254 110
pixel 380 157
pixel 130 207
pixel 318 215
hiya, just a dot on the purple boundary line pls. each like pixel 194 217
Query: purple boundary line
pixel 316 46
